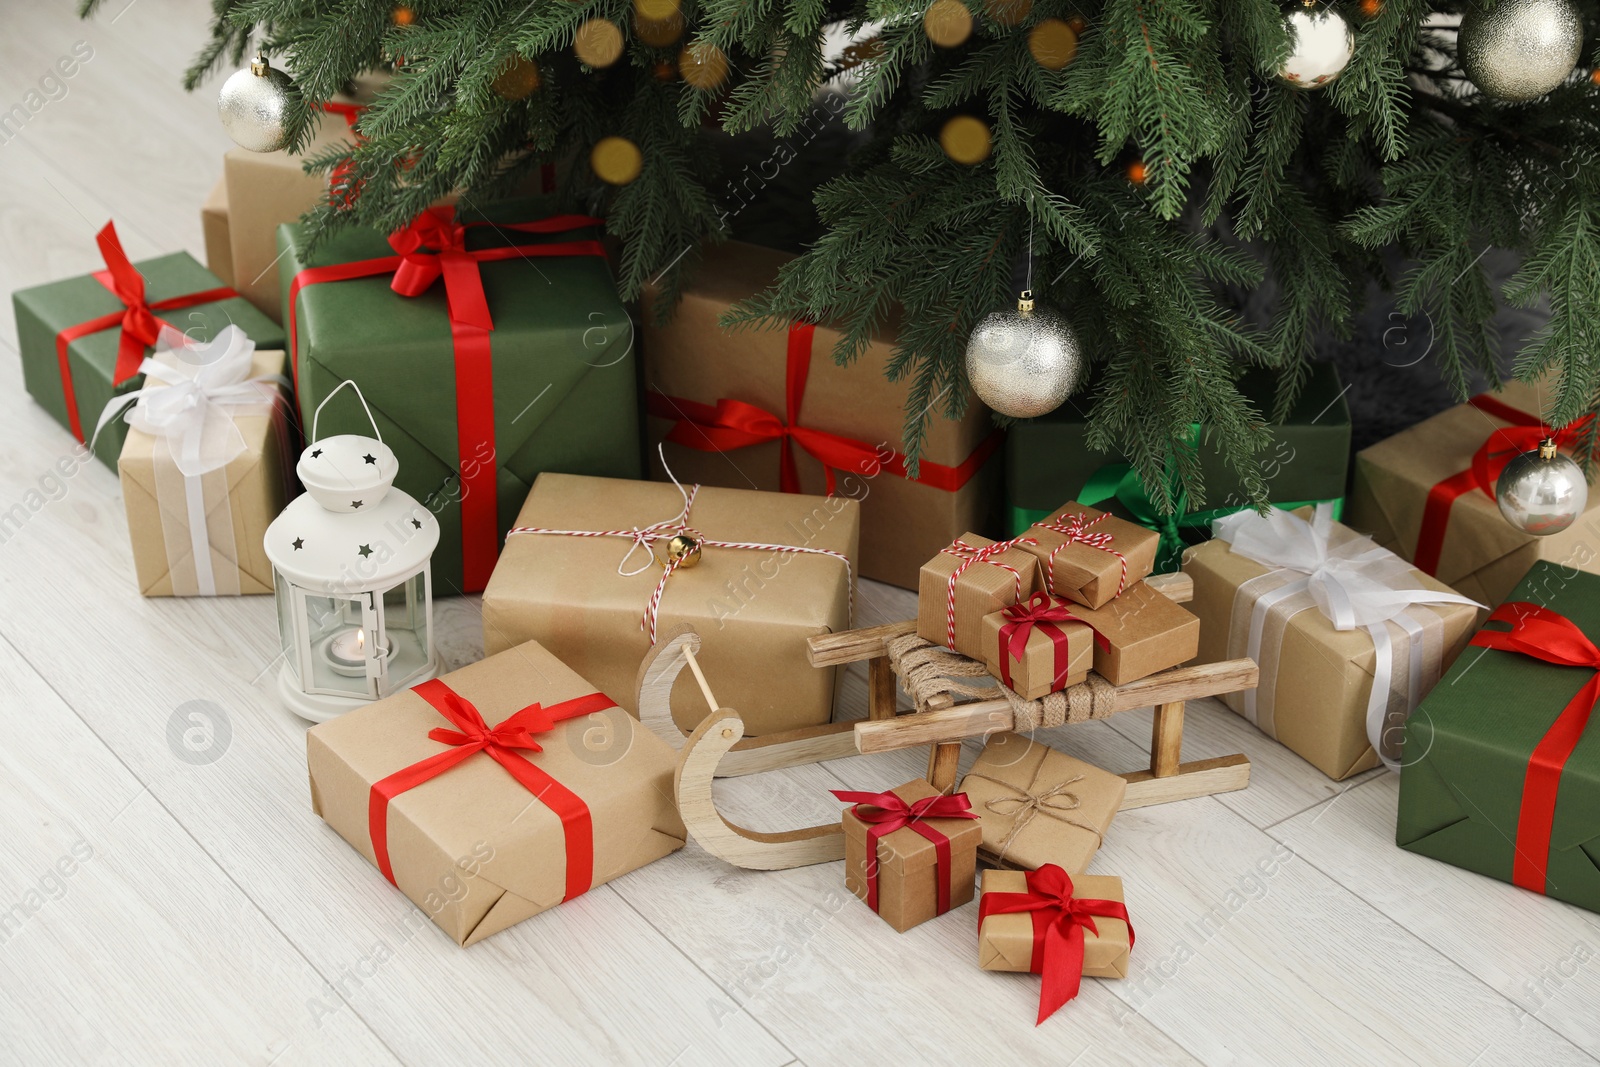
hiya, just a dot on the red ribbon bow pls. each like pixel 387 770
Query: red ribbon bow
pixel 1048 613
pixel 140 326
pixel 734 424
pixel 1552 637
pixel 1488 462
pixel 434 245
pixel 473 735
pixel 884 813
pixel 1059 920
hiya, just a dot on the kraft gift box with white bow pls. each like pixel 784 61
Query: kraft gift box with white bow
pixel 1348 635
pixel 205 466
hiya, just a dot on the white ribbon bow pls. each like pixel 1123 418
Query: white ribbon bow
pixel 1355 584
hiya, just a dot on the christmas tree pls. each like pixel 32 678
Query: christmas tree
pixel 1135 159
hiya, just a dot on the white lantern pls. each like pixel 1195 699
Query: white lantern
pixel 350 570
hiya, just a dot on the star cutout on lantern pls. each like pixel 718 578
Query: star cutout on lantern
pixel 417 523
pixel 355 503
pixel 299 543
pixel 315 452
pixel 365 550
pixel 370 458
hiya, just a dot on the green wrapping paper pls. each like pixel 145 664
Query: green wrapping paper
pixel 561 359
pixel 1049 462
pixel 45 310
pixel 1467 751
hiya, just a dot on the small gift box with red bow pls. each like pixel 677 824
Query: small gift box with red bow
pixel 483 796
pixel 1060 927
pixel 1502 771
pixel 970 578
pixel 911 853
pixel 1038 646
pixel 1088 556
pixel 82 340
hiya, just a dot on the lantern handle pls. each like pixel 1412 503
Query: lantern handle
pixel 318 413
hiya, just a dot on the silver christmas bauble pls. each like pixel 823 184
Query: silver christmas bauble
pixel 1520 49
pixel 1542 492
pixel 1024 361
pixel 254 106
pixel 1320 46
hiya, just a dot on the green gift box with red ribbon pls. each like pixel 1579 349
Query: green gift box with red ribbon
pixel 1049 460
pixel 82 339
pixel 1501 764
pixel 491 347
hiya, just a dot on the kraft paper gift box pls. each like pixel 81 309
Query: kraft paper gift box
pixel 1049 459
pixel 989 576
pixel 720 400
pixel 473 415
pixel 1089 556
pixel 219 242
pixel 506 831
pixel 1037 647
pixel 1039 805
pixel 911 881
pixel 1140 633
pixel 105 343
pixel 1015 941
pixel 1502 760
pixel 1464 541
pixel 753 608
pixel 235 500
pixel 1316 688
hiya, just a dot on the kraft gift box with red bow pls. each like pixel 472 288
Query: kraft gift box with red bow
pixel 910 853
pixel 483 797
pixel 767 407
pixel 82 340
pixel 491 347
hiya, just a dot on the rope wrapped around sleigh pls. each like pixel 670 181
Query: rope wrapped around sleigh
pixel 934 677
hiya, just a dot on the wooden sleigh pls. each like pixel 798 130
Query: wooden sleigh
pixel 718 747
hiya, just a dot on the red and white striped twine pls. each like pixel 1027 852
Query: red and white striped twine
pixel 645 537
pixel 968 556
pixel 1076 530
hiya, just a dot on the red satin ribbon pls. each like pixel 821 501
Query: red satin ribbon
pixel 733 424
pixel 433 246
pixel 471 736
pixel 1498 449
pixel 140 326
pixel 1549 636
pixel 884 813
pixel 1047 613
pixel 1059 920
pixel 341 175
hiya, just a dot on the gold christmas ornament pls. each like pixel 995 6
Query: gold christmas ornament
pixel 1052 43
pixel 253 105
pixel 1320 45
pixel 1008 12
pixel 1520 49
pixel 965 139
pixel 616 160
pixel 703 66
pixel 598 43
pixel 947 23
pixel 656 10
pixel 663 33
pixel 517 80
pixel 683 550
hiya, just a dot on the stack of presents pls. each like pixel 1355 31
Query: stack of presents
pixel 549 438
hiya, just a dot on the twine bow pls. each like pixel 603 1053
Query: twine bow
pixel 1024 805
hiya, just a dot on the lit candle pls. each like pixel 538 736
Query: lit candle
pixel 349 648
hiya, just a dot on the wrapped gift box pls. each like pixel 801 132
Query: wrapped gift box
pixel 753 608
pixel 987 578
pixel 472 415
pixel 1006 942
pixel 1464 542
pixel 1039 805
pixel 1037 647
pixel 93 319
pixel 1048 460
pixel 1089 556
pixel 721 399
pixel 912 883
pixel 507 832
pixel 219 240
pixel 1140 633
pixel 236 499
pixel 1502 771
pixel 1315 693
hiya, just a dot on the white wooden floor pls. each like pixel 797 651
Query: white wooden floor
pixel 209 917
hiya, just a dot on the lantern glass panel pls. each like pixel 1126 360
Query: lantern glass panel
pixel 341 637
pixel 283 595
pixel 405 621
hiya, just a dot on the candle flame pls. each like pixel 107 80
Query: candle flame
pixel 361 641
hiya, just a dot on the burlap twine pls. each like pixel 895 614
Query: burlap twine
pixel 1024 805
pixel 927 670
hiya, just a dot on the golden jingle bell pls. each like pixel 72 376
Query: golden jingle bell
pixel 683 550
